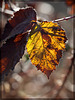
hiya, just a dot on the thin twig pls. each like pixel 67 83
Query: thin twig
pixel 65 79
pixel 62 19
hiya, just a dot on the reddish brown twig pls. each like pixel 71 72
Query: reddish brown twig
pixel 62 19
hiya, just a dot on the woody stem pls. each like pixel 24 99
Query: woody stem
pixel 62 19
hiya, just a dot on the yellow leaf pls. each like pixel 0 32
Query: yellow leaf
pixel 45 45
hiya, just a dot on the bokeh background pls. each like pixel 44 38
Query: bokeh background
pixel 25 81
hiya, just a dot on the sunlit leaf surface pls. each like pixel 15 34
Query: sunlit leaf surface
pixel 45 45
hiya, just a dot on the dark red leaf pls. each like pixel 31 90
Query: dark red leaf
pixel 21 22
pixel 11 52
pixel 15 34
